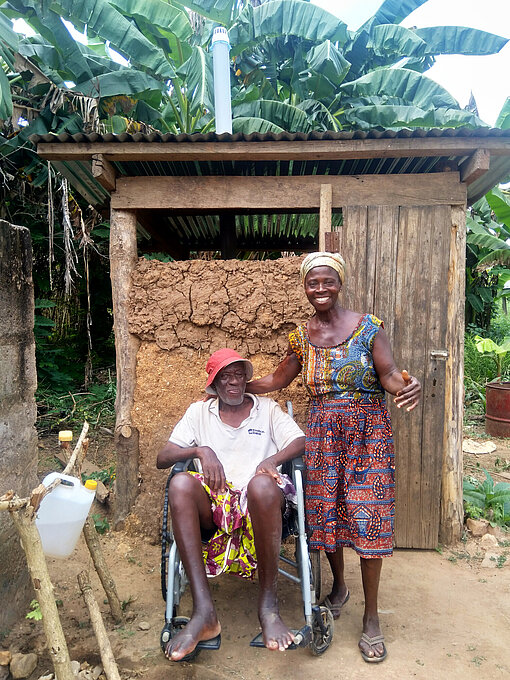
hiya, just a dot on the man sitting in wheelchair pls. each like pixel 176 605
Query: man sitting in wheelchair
pixel 228 516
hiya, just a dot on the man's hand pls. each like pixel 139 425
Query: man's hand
pixel 212 469
pixel 268 467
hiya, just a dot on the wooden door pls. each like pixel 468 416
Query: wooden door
pixel 397 261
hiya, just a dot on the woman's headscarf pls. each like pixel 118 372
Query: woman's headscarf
pixel 333 260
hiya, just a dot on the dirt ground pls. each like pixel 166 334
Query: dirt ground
pixel 443 614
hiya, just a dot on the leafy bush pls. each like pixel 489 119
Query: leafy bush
pixel 486 500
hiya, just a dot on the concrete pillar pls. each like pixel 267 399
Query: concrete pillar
pixel 18 437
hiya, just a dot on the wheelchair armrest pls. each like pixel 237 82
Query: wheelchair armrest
pixel 298 463
pixel 182 466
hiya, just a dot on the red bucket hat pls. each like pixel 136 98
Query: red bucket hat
pixel 220 359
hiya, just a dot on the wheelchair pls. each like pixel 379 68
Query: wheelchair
pixel 304 570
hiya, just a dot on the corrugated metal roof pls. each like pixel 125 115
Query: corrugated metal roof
pixel 280 232
pixel 158 137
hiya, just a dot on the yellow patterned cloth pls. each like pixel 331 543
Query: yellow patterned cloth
pixel 231 548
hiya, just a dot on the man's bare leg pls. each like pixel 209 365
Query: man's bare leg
pixel 265 503
pixel 190 509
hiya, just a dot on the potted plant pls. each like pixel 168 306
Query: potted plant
pixel 497 392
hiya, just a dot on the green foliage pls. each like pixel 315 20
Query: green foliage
pixel 106 476
pixel 488 347
pixel 101 524
pixel 35 612
pixel 95 405
pixel 487 500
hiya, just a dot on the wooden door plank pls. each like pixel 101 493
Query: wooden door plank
pixel 439 226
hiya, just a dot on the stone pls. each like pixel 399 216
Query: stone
pixel 50 676
pixel 97 671
pixel 5 657
pixel 4 672
pixel 23 665
pixel 75 667
pixel 490 560
pixel 477 527
pixel 144 625
pixel 488 541
pixel 499 533
pixel 85 674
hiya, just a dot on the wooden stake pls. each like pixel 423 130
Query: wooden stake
pixel 105 648
pixel 38 569
pixel 94 546
pixel 326 206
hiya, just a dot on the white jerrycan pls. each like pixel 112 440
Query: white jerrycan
pixel 62 513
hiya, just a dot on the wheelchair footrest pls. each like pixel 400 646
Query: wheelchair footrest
pixel 212 645
pixel 302 638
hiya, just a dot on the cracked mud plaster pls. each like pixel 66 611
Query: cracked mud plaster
pixel 184 311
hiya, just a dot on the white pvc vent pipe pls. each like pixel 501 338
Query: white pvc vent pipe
pixel 221 70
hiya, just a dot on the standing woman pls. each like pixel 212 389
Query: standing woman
pixel 346 364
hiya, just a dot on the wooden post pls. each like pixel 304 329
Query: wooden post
pixel 326 206
pixel 57 646
pixel 228 239
pixel 451 521
pixel 96 552
pixel 123 258
pixel 105 648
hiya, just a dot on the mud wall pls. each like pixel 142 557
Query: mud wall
pixel 18 438
pixel 184 311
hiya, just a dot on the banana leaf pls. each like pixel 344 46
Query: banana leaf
pixel 247 125
pixel 390 40
pixel 285 17
pixel 74 65
pixel 395 11
pixel 388 116
pixel 5 96
pixel 320 116
pixel 413 87
pixel 221 11
pixel 197 74
pixel 285 116
pixel 126 81
pixel 503 120
pixel 327 60
pixel 157 13
pixel 499 201
pixel 459 40
pixel 7 34
pixel 103 20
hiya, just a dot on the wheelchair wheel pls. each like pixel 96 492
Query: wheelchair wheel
pixel 170 630
pixel 315 571
pixel 322 634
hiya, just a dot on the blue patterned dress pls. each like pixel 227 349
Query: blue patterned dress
pixel 350 486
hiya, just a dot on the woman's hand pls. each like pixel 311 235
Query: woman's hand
pixel 409 396
pixel 212 469
pixel 268 467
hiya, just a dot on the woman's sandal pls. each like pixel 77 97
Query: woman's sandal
pixel 372 641
pixel 335 609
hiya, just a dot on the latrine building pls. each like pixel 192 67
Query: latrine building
pixel 393 203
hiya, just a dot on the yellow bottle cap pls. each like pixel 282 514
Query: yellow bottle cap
pixel 91 484
pixel 65 436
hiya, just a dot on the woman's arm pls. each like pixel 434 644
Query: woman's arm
pixel 407 393
pixel 284 374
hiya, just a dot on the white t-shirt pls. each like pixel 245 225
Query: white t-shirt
pixel 266 430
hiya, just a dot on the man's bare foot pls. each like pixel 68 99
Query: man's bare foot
pixel 372 629
pixel 200 628
pixel 275 633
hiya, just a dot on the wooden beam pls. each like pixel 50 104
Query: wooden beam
pixel 326 203
pixel 104 172
pixel 296 193
pixel 123 259
pixel 299 150
pixel 475 166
